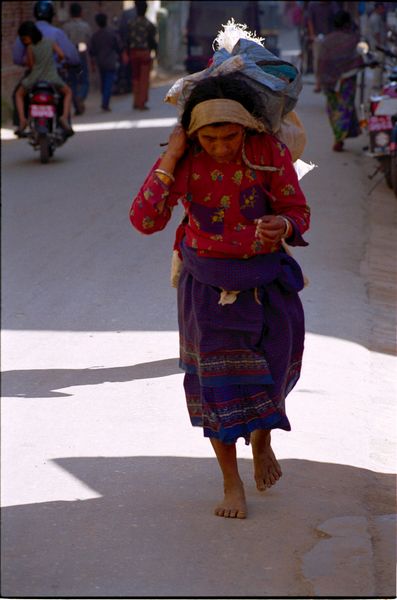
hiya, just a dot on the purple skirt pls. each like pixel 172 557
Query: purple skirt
pixel 241 359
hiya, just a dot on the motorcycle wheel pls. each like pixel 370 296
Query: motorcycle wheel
pixel 44 149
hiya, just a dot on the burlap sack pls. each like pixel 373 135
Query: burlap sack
pixel 293 134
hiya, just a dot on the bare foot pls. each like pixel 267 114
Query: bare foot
pixel 267 470
pixel 233 505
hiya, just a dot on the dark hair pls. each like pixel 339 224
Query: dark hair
pixel 29 28
pixel 101 19
pixel 228 86
pixel 342 19
pixel 141 7
pixel 44 10
pixel 75 9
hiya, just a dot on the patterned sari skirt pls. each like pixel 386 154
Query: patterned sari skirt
pixel 341 110
pixel 240 359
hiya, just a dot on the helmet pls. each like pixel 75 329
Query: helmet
pixel 44 10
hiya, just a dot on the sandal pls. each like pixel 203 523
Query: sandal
pixel 21 131
pixel 338 147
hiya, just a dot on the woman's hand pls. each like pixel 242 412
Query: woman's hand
pixel 176 147
pixel 177 143
pixel 271 229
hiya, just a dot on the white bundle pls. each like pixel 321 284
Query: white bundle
pixel 232 33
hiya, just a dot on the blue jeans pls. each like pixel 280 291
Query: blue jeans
pixel 107 79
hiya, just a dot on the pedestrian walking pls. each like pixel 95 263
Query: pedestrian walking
pixel 377 36
pixel 337 72
pixel 241 321
pixel 320 15
pixel 104 49
pixel 79 32
pixel 141 42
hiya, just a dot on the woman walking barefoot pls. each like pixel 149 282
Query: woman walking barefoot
pixel 241 322
pixel 337 70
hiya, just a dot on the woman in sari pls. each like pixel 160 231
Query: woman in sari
pixel 241 321
pixel 337 70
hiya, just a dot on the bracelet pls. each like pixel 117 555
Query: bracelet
pixel 163 172
pixel 288 229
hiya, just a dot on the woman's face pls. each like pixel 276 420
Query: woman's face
pixel 223 143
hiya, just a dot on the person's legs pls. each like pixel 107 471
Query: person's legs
pixel 108 79
pixel 84 82
pixel 73 83
pixel 141 63
pixel 316 52
pixel 19 101
pixel 146 67
pixel 267 470
pixel 135 68
pixel 233 504
pixel 67 101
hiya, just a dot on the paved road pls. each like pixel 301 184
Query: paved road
pixel 107 491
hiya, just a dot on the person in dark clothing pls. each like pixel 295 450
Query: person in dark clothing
pixel 104 48
pixel 141 42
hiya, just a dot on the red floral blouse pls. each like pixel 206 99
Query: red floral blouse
pixel 222 201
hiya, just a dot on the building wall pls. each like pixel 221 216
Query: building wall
pixel 12 15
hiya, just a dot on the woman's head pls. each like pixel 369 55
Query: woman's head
pixel 218 112
pixel 29 33
pixel 227 87
pixel 221 141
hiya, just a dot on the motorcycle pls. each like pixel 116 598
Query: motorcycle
pixel 381 124
pixel 44 133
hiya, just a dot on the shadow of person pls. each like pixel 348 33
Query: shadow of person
pixel 42 383
pixel 151 533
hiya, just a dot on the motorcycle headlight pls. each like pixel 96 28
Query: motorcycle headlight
pixel 381 139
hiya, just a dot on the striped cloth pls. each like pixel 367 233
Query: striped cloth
pixel 242 359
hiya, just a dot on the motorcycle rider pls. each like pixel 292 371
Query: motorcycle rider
pixel 44 13
pixel 39 54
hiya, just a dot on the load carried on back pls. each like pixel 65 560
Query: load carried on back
pixel 275 82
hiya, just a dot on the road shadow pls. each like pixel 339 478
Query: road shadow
pixel 43 383
pixel 151 533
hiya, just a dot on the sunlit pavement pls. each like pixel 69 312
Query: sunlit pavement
pixel 107 489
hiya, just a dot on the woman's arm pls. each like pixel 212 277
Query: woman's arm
pixel 152 208
pixel 29 57
pixel 288 202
